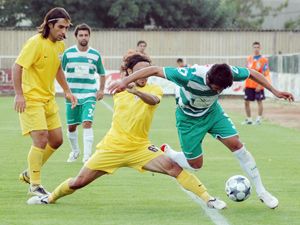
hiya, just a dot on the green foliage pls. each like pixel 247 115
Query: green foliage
pixel 249 14
pixel 138 13
pixel 292 24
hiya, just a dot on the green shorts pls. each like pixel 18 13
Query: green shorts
pixel 80 113
pixel 191 130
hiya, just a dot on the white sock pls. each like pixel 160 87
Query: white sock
pixel 73 138
pixel 249 119
pixel 88 139
pixel 258 118
pixel 179 158
pixel 248 164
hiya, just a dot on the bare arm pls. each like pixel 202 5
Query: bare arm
pixel 61 79
pixel 146 97
pixel 143 73
pixel 260 79
pixel 100 92
pixel 19 102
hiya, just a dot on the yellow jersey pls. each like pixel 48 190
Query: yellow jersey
pixel 40 59
pixel 131 121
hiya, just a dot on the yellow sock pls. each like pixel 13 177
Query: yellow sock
pixel 191 183
pixel 34 160
pixel 62 190
pixel 47 153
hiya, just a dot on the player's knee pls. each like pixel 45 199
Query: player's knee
pixel 87 124
pixel 235 145
pixel 57 142
pixel 196 165
pixel 72 128
pixel 41 139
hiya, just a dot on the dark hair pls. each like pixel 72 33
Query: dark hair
pixel 133 59
pixel 220 75
pixel 256 43
pixel 82 26
pixel 52 17
pixel 141 42
pixel 179 60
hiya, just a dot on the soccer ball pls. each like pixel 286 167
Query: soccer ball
pixel 238 188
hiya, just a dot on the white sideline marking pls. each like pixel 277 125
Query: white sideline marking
pixel 213 214
pixel 107 105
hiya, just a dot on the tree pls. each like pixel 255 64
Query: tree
pixel 249 14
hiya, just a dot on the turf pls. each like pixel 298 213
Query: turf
pixel 129 197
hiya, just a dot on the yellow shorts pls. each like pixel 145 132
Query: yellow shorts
pixel 39 116
pixel 111 160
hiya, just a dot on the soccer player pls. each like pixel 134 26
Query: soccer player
pixel 198 112
pixel 80 63
pixel 141 47
pixel 127 144
pixel 35 69
pixel 254 91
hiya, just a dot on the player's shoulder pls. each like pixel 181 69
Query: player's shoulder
pixel 264 59
pixel 71 49
pixel 94 51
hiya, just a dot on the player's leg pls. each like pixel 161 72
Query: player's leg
pixel 73 119
pixel 191 131
pixel 88 139
pixel 248 164
pixel 101 162
pixel 152 159
pixel 226 132
pixel 88 134
pixel 260 96
pixel 249 96
pixel 68 187
pixel 35 161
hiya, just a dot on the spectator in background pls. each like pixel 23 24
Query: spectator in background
pixel 141 47
pixel 180 63
pixel 254 91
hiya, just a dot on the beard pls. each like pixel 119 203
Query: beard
pixel 83 43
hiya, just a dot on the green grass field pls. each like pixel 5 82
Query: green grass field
pixel 129 197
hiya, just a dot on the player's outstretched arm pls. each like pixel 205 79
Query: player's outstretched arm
pixel 61 79
pixel 121 85
pixel 260 79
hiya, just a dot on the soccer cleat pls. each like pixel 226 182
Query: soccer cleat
pixel 37 190
pixel 247 122
pixel 73 156
pixel 215 203
pixel 269 200
pixel 38 200
pixel 24 177
pixel 258 122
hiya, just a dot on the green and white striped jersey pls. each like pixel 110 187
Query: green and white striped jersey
pixel 193 96
pixel 80 69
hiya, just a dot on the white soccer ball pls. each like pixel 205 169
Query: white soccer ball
pixel 238 188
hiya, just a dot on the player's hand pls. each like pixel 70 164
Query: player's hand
pixel 72 99
pixel 99 95
pixel 116 87
pixel 20 103
pixel 131 88
pixel 285 95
